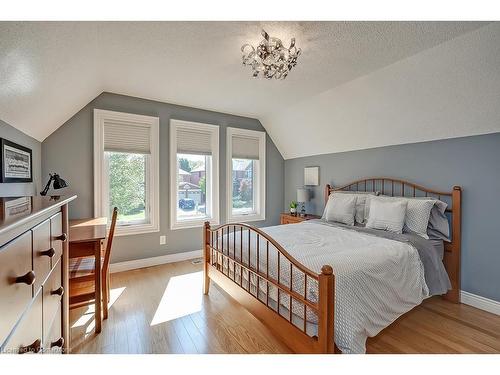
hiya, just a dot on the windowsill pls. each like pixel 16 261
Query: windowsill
pixel 245 218
pixel 128 230
pixel 192 224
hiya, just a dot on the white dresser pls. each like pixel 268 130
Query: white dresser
pixel 33 274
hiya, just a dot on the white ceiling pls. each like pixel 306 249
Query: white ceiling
pixel 448 91
pixel 50 70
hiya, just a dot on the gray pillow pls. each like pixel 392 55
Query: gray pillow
pixel 387 214
pixel 439 227
pixel 341 208
pixel 361 198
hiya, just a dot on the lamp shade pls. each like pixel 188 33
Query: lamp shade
pixel 302 195
pixel 59 183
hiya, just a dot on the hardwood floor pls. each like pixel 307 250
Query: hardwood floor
pixel 162 310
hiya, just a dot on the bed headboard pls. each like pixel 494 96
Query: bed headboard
pixel 400 188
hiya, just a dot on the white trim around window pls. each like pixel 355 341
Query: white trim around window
pixel 259 175
pixel 195 145
pixel 152 168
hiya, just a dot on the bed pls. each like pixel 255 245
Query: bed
pixel 325 287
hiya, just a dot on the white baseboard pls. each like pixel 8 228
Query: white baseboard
pixel 479 302
pixel 148 262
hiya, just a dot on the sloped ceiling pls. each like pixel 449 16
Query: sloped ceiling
pixel 49 70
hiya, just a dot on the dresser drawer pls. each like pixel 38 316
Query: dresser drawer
pixel 55 236
pixel 27 338
pixel 52 296
pixel 15 293
pixel 42 253
pixel 53 341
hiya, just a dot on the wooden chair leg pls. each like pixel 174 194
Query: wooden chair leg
pixel 108 284
pixel 98 289
pixel 105 294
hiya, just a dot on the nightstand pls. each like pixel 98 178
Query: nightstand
pixel 292 219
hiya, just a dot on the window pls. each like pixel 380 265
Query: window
pixel 246 166
pixel 194 177
pixel 126 170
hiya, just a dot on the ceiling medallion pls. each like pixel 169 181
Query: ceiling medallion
pixel 270 59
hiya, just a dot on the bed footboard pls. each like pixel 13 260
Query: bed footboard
pixel 296 303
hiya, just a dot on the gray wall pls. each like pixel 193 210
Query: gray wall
pixel 471 162
pixel 69 151
pixel 19 189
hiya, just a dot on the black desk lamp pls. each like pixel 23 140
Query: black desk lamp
pixel 59 183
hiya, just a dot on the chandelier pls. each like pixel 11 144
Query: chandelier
pixel 270 59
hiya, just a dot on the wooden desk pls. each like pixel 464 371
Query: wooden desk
pixel 85 239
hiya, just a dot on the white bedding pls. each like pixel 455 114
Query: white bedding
pixel 377 279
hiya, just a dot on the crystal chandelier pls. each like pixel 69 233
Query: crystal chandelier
pixel 270 59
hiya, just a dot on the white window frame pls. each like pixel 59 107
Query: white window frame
pixel 101 194
pixel 214 218
pixel 260 192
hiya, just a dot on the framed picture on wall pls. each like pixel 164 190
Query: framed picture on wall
pixel 311 176
pixel 16 163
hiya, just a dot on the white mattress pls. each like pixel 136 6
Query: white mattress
pixel 377 279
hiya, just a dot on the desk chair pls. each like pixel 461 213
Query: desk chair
pixel 82 279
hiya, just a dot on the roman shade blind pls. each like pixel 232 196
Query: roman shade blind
pixel 123 136
pixel 194 141
pixel 245 147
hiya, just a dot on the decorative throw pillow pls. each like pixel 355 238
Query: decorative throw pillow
pixel 361 198
pixel 341 208
pixel 417 216
pixel 366 212
pixel 417 213
pixel 386 214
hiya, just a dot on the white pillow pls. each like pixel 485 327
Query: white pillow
pixel 361 199
pixel 341 208
pixel 386 214
pixel 418 213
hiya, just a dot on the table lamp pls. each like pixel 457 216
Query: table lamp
pixel 59 183
pixel 302 198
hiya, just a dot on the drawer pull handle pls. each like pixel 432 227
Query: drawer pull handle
pixel 63 237
pixel 33 348
pixel 49 253
pixel 58 343
pixel 28 278
pixel 57 292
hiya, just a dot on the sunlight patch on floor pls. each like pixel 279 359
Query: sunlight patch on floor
pixel 114 294
pixel 83 320
pixel 183 296
pixel 90 328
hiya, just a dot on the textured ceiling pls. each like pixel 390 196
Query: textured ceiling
pixel 50 70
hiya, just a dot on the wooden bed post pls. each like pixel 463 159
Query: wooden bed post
pixel 326 310
pixel 327 192
pixel 452 255
pixel 206 256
